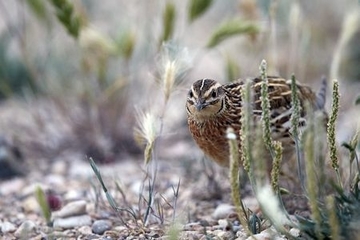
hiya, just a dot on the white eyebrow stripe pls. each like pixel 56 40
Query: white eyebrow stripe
pixel 202 84
pixel 194 92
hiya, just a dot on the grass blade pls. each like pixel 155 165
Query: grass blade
pixel 231 28
pixel 198 8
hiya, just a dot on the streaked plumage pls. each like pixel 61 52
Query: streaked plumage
pixel 212 108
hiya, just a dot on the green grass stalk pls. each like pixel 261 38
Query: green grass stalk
pixel 275 171
pixel 333 218
pixel 246 123
pixel 265 107
pixel 312 183
pixel 295 117
pixel 235 180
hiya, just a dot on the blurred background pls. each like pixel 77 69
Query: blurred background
pixel 76 77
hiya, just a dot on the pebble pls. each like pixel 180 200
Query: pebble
pixel 55 180
pixel 30 204
pixel 72 222
pixel 30 189
pixel 224 224
pixel 222 211
pixel 27 228
pixel 241 235
pixel 59 167
pixel 295 232
pixel 6 227
pixel 267 234
pixel 112 235
pixel 223 234
pixel 71 209
pixel 80 169
pixel 85 230
pixel 12 186
pixel 73 195
pixel 100 226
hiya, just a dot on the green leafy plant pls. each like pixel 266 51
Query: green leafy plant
pixel 332 216
pixel 169 17
pixel 235 180
pixel 231 28
pixel 43 203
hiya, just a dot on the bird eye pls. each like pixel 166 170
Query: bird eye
pixel 213 94
pixel 191 94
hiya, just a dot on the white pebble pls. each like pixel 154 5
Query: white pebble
pixel 223 223
pixel 7 227
pixel 71 209
pixel 222 211
pixel 72 222
pixel 295 232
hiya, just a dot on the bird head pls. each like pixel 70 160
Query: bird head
pixel 205 99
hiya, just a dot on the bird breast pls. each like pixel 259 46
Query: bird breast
pixel 210 137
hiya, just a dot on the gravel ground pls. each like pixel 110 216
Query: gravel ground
pixel 202 207
pixel 201 210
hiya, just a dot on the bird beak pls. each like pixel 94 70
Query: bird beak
pixel 200 104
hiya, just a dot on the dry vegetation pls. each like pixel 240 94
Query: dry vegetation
pixel 83 80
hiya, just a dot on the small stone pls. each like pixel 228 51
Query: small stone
pixel 72 222
pixel 236 228
pixel 59 167
pixel 30 204
pixel 6 227
pixel 29 189
pixel 100 226
pixel 267 234
pixel 295 232
pixel 224 234
pixel 91 207
pixel 261 236
pixel 121 228
pixel 73 195
pixel 241 234
pixel 112 234
pixel 27 228
pixel 12 186
pixel 224 224
pixel 71 209
pixel 222 211
pixel 55 180
pixel 216 232
pixel 85 230
pixel 79 169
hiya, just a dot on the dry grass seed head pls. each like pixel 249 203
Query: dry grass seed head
pixel 332 124
pixel 174 63
pixel 146 132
